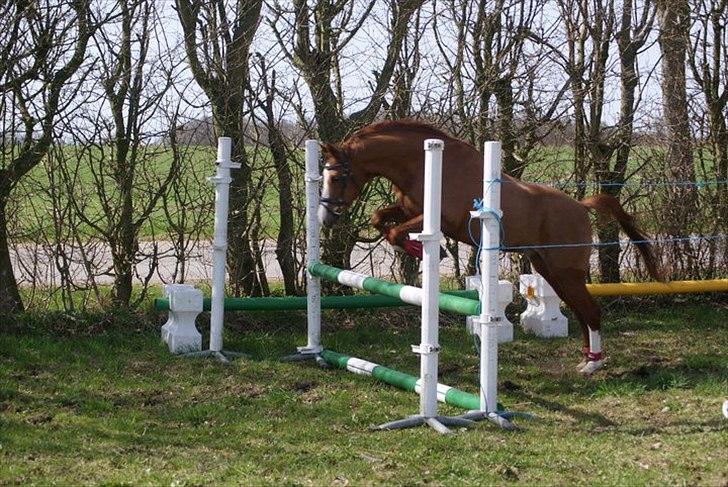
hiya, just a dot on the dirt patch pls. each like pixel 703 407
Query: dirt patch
pixel 39 418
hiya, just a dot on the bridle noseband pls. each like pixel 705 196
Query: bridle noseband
pixel 334 205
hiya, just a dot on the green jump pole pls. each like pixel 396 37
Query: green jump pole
pixel 408 294
pixel 407 382
pixel 299 302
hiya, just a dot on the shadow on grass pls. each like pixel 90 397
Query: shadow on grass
pixel 680 428
pixel 573 412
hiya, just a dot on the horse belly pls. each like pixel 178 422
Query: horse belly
pixel 552 225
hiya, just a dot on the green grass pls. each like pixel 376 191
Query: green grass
pixel 113 407
pixel 33 196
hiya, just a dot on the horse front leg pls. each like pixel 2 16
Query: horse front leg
pixel 399 237
pixel 385 218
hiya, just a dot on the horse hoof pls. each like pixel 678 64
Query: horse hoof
pixel 581 365
pixel 592 366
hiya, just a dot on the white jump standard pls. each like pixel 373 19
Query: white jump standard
pixel 222 181
pixel 429 347
pixel 490 318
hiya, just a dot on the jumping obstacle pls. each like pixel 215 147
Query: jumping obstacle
pixel 184 302
pixel 486 310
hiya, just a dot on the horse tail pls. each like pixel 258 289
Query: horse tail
pixel 609 205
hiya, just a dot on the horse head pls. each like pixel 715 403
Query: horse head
pixel 341 183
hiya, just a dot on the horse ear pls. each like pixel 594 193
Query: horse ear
pixel 327 149
pixel 333 150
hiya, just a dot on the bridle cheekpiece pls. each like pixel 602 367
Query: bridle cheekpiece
pixel 335 206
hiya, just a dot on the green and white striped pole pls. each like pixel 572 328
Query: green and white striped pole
pixel 445 394
pixel 408 294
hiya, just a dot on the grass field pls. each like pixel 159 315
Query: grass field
pixel 111 406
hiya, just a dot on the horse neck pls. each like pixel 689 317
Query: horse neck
pixel 399 160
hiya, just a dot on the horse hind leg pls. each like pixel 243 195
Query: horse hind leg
pixel 540 266
pixel 569 285
pixel 577 297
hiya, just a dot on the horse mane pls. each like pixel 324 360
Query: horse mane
pixel 389 126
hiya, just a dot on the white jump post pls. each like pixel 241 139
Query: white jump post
pixel 222 181
pixel 429 347
pixel 313 243
pixel 490 317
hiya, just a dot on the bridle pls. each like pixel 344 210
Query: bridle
pixel 334 205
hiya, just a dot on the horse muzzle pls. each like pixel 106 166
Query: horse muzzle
pixel 328 215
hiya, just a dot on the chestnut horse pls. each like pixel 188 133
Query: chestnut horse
pixel 533 215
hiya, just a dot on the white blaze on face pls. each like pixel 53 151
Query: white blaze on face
pixel 323 213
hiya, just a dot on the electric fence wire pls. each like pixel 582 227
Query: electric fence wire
pixel 631 183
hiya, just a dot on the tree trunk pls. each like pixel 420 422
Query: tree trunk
pixel 122 258
pixel 504 121
pixel 124 251
pixel 608 254
pixel 284 241
pixel 681 204
pixel 10 300
pixel 581 169
pixel 673 16
pixel 720 158
pixel 243 274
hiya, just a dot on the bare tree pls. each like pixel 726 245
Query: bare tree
pixel 708 58
pixel 119 147
pixel 43 46
pixel 674 25
pixel 280 154
pixel 314 36
pixel 187 207
pixel 485 56
pixel 576 22
pixel 611 172
pixel 218 35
